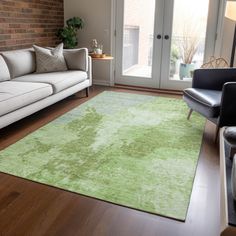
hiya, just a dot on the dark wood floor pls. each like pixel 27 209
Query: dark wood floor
pixel 28 208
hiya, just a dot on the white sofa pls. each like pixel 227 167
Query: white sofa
pixel 24 92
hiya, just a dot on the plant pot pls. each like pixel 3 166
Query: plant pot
pixel 185 70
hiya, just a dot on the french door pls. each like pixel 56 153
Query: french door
pixel 160 42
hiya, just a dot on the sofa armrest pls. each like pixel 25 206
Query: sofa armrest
pixel 213 78
pixel 228 105
pixel 90 74
pixel 76 59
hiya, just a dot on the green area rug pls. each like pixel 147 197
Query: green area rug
pixel 133 150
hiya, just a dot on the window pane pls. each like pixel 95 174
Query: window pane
pixel 188 38
pixel 138 37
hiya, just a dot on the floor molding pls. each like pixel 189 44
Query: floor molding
pixel 137 88
pixel 102 82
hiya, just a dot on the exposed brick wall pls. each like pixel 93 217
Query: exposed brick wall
pixel 27 22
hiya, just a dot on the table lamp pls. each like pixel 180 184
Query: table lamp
pixel 230 13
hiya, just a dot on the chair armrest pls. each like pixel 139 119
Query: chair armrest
pixel 228 105
pixel 76 59
pixel 213 78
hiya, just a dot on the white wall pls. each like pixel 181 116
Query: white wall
pixel 97 16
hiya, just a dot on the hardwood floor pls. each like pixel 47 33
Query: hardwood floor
pixel 28 208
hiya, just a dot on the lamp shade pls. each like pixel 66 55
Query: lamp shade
pixel 230 12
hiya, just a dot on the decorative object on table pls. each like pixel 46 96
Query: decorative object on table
pixel 230 13
pixel 94 45
pixel 102 57
pixel 230 141
pixel 68 34
pixel 96 50
pixel 233 178
pixel 215 63
pixel 94 55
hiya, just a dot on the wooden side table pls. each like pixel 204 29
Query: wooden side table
pixel 102 70
pixel 103 58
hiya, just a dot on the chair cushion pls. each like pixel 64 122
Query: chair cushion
pixel 50 60
pixel 4 72
pixel 15 95
pixel 205 101
pixel 58 80
pixel 20 62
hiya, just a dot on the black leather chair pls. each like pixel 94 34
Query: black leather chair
pixel 213 95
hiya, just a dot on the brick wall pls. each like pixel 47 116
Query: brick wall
pixel 27 22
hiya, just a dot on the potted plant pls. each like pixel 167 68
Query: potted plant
pixel 68 34
pixel 188 48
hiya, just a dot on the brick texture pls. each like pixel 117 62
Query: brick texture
pixel 27 22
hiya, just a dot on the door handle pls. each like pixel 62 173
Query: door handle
pixel 166 37
pixel 159 36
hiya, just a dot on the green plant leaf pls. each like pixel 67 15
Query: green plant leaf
pixel 75 22
pixel 68 34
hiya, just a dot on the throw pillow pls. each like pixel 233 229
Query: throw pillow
pixel 50 60
pixel 76 59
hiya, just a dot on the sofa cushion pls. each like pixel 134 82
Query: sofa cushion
pixel 205 101
pixel 50 60
pixel 20 62
pixel 58 80
pixel 4 72
pixel 15 95
pixel 76 59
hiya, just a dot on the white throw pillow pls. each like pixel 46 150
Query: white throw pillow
pixel 50 60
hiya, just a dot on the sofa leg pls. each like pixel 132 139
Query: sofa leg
pixel 190 113
pixel 217 133
pixel 87 91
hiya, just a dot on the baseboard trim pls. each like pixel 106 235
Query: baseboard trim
pixel 102 82
pixel 165 91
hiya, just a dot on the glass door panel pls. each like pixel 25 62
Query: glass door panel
pixel 137 48
pixel 188 38
pixel 138 31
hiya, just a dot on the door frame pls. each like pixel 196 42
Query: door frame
pixel 152 82
pixel 216 38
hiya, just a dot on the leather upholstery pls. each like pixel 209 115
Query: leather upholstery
pixel 213 79
pixel 213 94
pixel 228 105
pixel 204 101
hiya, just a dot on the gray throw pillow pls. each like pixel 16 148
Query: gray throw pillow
pixel 50 60
pixel 76 59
